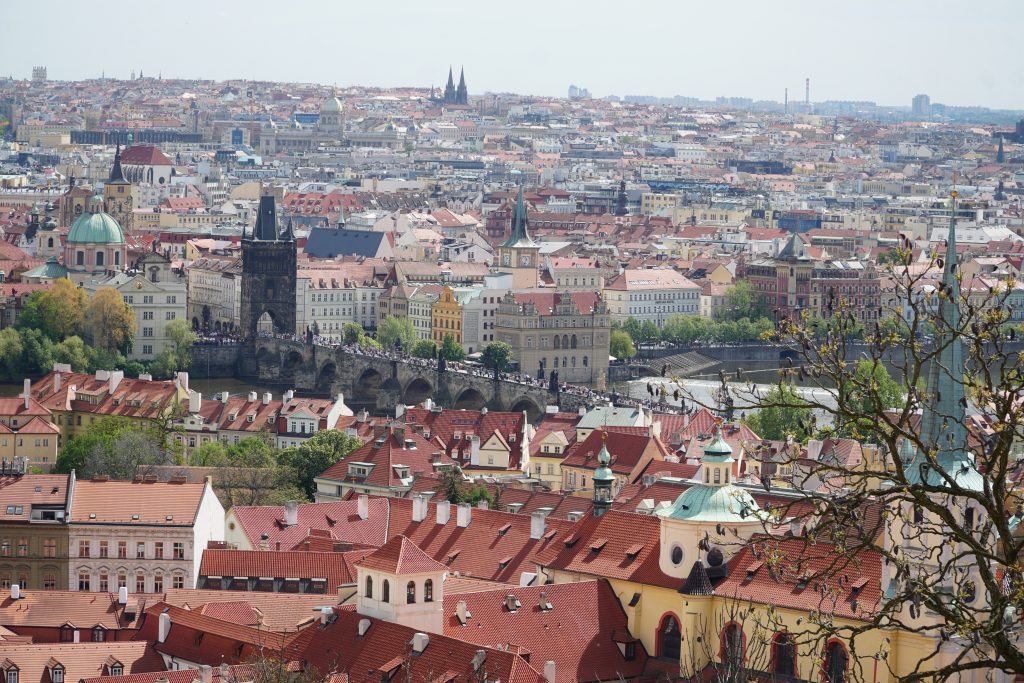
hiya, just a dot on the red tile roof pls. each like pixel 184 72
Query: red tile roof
pixel 80 660
pixel 401 556
pixel 341 520
pixel 80 610
pixel 398 446
pixel 136 502
pixel 278 612
pixel 442 427
pixel 832 577
pixel 28 490
pixel 627 446
pixel 241 672
pixel 621 532
pixel 576 625
pixel 337 568
pixel 144 155
pixel 384 648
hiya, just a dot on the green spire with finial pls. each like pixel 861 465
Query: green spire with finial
pixel 718 450
pixel 520 236
pixel 942 421
pixel 603 478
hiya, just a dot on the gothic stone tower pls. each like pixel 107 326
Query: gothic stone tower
pixel 268 273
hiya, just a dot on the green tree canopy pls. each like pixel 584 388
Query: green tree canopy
pixel 743 301
pixel 621 345
pixel 393 329
pixel 351 333
pixel 497 355
pixel 450 350
pixel 315 455
pixel 781 413
pixel 424 348
pixel 182 338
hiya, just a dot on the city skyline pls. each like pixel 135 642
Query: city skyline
pixel 961 61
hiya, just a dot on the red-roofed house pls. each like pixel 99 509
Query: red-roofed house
pixel 631 448
pixel 144 164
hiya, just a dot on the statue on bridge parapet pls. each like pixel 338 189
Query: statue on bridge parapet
pixel 553 382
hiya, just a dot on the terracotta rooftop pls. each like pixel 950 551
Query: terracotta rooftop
pixel 136 502
pixel 337 568
pixel 401 556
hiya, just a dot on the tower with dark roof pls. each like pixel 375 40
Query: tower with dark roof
pixel 620 200
pixel 117 194
pixel 461 94
pixel 1000 154
pixel 269 274
pixel 449 88
pixel 519 253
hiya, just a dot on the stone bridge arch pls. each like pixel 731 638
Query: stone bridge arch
pixel 527 404
pixel 326 376
pixel 417 390
pixel 368 385
pixel 470 398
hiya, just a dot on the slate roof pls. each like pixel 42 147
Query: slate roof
pixel 329 242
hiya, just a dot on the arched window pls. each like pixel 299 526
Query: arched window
pixel 385 591
pixel 836 661
pixel 669 637
pixel 410 593
pixel 428 591
pixel 783 655
pixel 49 242
pixel 572 342
pixel 369 587
pixel 585 361
pixel 732 646
pixel 99 258
pixel 558 342
pixel 80 258
pixel 565 341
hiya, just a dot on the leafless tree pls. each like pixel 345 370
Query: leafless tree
pixel 941 505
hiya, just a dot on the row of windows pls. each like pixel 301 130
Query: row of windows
pixel 102 583
pixel 99 260
pixel 20 441
pixel 22 545
pixel 140 551
pixel 169 315
pixel 148 299
pixel 410 591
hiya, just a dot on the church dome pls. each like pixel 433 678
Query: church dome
pixel 332 105
pixel 725 504
pixel 95 227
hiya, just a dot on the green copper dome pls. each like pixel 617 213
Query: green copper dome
pixel 95 227
pixel 726 504
pixel 604 458
pixel 718 450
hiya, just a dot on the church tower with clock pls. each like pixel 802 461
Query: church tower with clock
pixel 519 253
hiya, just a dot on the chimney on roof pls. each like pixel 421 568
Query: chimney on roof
pixel 796 527
pixel 474 450
pixel 325 615
pixel 163 627
pixel 182 379
pixel 478 659
pixel 364 626
pixel 549 670
pixel 195 401
pixel 538 524
pixel 444 511
pixel 266 398
pixel 145 377
pixel 115 379
pixel 362 416
pixel 428 404
pixel 463 515
pixel 224 671
pixel 252 397
pixel 654 430
pixel 122 595
pixel 399 410
pixel 291 512
pixel 224 396
pixel 482 504
pixel 56 381
pixel 419 507
pixel 102 375
pixel 288 396
pixel 15 591
pixel 419 642
pixel 363 506
pixel 205 673
pixel 582 411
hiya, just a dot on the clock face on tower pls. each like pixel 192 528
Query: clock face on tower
pixel 524 259
pixel 507 258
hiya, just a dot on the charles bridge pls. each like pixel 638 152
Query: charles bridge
pixel 376 380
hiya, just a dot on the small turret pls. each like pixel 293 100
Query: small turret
pixel 603 479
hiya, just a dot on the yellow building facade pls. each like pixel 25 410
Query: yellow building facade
pixel 446 318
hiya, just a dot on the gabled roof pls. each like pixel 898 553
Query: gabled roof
pixel 31 489
pixel 136 502
pixel 53 609
pixel 330 242
pixel 337 568
pixel 340 519
pixel 576 625
pixel 628 447
pixel 401 556
pixel 80 660
pixel 144 155
pixel 630 551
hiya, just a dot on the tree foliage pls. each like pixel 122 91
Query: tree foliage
pixel 58 312
pixel 621 345
pixel 393 331
pixel 451 350
pixel 780 413
pixel 743 301
pixel 423 348
pixel 110 322
pixel 497 355
pixel 315 455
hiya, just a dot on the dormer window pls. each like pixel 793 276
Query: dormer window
pixel 57 674
pixel 117 669
pixel 12 675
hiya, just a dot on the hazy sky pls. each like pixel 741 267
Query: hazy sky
pixel 881 50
